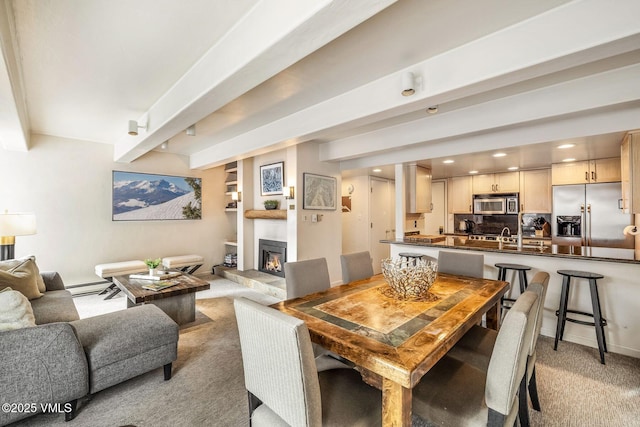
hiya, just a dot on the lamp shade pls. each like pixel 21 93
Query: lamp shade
pixel 17 224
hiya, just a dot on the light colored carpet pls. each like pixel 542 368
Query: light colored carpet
pixel 207 387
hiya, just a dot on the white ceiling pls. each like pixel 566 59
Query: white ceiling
pixel 256 75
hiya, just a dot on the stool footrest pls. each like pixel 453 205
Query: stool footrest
pixel 603 321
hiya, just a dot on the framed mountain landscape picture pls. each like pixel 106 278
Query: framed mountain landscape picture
pixel 144 197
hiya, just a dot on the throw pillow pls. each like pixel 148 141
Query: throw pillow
pixel 15 311
pixel 22 278
pixel 12 263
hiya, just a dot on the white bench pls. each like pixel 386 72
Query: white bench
pixel 185 263
pixel 109 270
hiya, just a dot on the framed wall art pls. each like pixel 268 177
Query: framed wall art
pixel 143 197
pixel 319 192
pixel 271 179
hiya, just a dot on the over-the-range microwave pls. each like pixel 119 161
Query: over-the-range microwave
pixel 492 204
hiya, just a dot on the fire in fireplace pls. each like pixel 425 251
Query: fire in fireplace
pixel 273 255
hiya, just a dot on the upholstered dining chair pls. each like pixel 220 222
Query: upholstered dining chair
pixel 356 266
pixel 455 393
pixel 283 385
pixel 476 347
pixel 461 263
pixel 306 277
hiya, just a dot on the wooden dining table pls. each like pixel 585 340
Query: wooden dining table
pixel 394 342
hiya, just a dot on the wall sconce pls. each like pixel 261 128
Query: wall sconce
pixel 289 192
pixel 236 196
pixel 191 130
pixel 164 145
pixel 408 84
pixel 133 127
pixel 11 225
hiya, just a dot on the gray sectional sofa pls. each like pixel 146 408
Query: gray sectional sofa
pixel 64 357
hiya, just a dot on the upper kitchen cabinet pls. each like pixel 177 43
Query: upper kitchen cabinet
pixel 586 172
pixel 535 191
pixel 630 173
pixel 508 182
pixel 460 195
pixel 418 189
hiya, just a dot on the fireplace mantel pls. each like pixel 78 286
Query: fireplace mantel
pixel 266 214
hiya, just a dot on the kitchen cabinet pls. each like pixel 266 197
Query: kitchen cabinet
pixel 535 191
pixel 418 189
pixel 460 195
pixel 508 182
pixel 586 172
pixel 630 173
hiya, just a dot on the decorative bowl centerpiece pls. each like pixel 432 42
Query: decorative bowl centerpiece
pixel 271 204
pixel 409 280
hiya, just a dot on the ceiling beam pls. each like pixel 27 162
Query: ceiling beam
pixel 270 38
pixel 14 120
pixel 603 90
pixel 516 54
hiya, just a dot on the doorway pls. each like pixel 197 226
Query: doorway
pixel 382 212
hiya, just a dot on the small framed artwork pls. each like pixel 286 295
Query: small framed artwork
pixel 319 192
pixel 271 179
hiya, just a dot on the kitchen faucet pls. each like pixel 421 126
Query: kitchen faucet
pixel 502 232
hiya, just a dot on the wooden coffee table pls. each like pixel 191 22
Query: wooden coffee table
pixel 178 301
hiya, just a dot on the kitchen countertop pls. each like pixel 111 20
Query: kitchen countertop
pixel 536 249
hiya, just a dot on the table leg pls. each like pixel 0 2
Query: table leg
pixel 493 317
pixel 396 404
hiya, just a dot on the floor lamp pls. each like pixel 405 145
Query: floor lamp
pixel 12 225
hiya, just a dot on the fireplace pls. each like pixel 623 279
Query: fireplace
pixel 273 255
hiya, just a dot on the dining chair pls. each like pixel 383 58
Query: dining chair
pixel 356 266
pixel 282 383
pixel 306 277
pixel 456 393
pixel 477 345
pixel 461 263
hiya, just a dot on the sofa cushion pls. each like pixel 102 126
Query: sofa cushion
pixel 15 311
pixel 54 306
pixel 12 263
pixel 22 277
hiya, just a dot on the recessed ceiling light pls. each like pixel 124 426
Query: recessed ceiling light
pixel 513 168
pixel 448 161
pixel 566 146
pixel 569 160
pixel 473 171
pixel 433 109
pixel 377 170
pixel 499 154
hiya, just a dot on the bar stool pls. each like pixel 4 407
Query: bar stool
pixel 522 279
pixel 410 257
pixel 598 322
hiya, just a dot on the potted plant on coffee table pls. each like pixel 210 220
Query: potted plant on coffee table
pixel 152 264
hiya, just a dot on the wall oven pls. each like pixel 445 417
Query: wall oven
pixel 491 204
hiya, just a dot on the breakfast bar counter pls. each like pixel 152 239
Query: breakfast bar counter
pixel 619 289
pixel 532 247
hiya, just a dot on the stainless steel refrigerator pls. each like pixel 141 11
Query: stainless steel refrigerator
pixel 590 216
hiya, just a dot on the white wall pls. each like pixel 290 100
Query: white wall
pixel 67 184
pixel 355 224
pixel 271 229
pixel 324 238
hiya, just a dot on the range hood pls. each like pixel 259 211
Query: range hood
pixel 417 189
